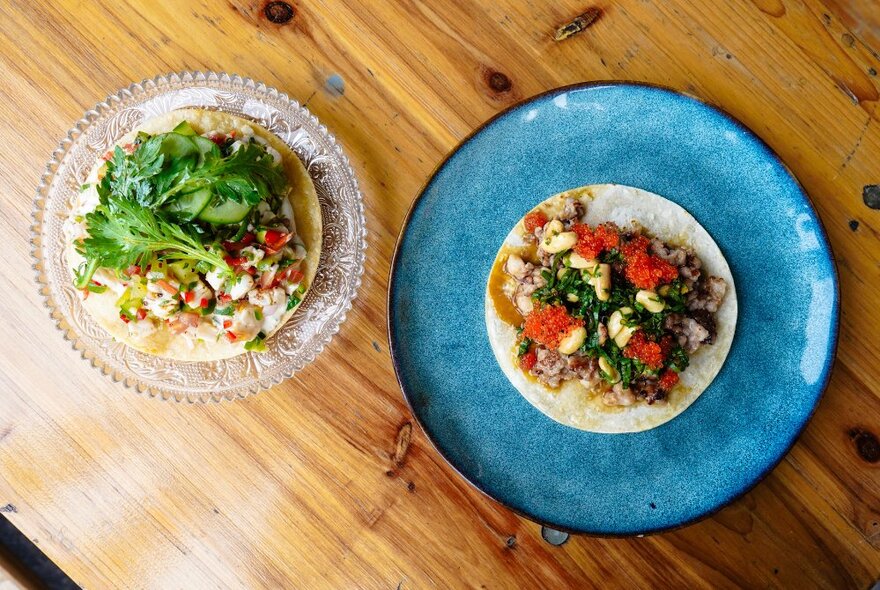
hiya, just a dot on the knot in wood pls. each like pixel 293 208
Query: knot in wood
pixel 279 12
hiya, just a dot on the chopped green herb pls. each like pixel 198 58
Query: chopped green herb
pixel 258 344
pixel 523 347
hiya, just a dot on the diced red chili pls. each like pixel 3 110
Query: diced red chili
pixel 124 318
pixel 231 337
pixel 534 220
pixel 203 303
pixel 227 324
pixel 141 313
pixel 189 296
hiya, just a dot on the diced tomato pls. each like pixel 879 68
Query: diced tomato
pixel 141 313
pixel 534 220
pixel 289 274
pixel 272 236
pixel 189 296
pixel 167 287
pixel 528 360
pixel 246 240
pixel 124 318
pixel 224 298
pixel 251 270
pixel 231 337
pixel 275 240
pixel 218 138
pixel 549 325
pixel 203 303
pixel 235 260
pixel 668 380
pixel 227 324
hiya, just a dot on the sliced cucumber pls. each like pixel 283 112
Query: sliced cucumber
pixel 184 128
pixel 204 144
pixel 188 206
pixel 225 213
pixel 175 145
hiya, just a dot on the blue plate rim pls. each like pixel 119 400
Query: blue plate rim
pixel 829 369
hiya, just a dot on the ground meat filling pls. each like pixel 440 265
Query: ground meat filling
pixel 648 389
pixel 550 368
pixel 571 213
pixel 708 295
pixel 688 331
pixel 656 347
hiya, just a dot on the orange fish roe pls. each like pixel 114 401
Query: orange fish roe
pixel 549 325
pixel 534 220
pixel 592 242
pixel 644 270
pixel 644 350
pixel 528 360
pixel 668 380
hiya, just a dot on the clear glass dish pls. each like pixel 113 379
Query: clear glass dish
pixel 342 254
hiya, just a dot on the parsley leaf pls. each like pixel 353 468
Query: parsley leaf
pixel 122 234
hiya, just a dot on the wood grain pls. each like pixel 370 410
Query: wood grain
pixel 324 481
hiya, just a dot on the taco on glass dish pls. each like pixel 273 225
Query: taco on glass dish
pixel 610 309
pixel 196 237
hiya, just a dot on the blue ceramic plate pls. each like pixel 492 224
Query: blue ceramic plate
pixel 747 419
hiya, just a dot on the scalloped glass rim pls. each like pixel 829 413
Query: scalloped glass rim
pixel 343 253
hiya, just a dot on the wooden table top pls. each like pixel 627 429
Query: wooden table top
pixel 325 481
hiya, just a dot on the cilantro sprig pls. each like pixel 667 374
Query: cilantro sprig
pixel 133 222
pixel 164 166
pixel 122 233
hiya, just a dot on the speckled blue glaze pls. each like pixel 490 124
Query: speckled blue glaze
pixel 743 423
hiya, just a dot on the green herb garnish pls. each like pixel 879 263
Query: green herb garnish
pixel 123 234
pixel 258 344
